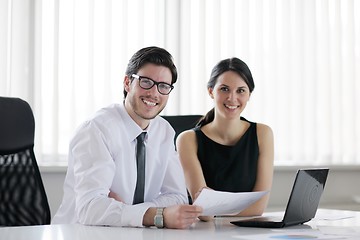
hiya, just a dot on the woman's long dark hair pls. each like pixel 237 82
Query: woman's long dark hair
pixel 229 64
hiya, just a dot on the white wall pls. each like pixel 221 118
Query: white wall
pixel 340 190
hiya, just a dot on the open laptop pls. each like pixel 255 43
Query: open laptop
pixel 302 205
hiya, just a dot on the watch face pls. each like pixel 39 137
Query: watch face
pixel 159 219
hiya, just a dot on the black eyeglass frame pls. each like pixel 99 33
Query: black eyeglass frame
pixel 171 87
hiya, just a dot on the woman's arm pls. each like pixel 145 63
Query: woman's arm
pixel 264 171
pixel 187 148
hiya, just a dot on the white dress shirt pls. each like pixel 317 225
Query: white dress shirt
pixel 102 157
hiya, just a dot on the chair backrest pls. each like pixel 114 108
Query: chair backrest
pixel 181 123
pixel 23 199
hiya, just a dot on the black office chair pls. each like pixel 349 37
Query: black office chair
pixel 181 123
pixel 23 200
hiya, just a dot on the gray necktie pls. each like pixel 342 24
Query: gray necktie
pixel 140 163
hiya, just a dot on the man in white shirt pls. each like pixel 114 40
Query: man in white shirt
pixel 102 169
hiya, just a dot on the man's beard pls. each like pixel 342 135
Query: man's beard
pixel 138 113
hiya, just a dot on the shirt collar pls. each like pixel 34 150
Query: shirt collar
pixel 133 130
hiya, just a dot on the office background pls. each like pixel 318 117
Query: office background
pixel 67 59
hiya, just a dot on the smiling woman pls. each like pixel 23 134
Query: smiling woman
pixel 226 152
pixel 67 62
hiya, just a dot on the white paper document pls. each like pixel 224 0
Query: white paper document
pixel 217 203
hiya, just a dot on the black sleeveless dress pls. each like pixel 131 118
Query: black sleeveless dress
pixel 229 168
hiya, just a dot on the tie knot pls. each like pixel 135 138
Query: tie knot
pixel 141 137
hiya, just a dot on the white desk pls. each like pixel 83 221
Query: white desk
pixel 219 228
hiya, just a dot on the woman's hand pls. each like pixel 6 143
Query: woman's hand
pixel 203 218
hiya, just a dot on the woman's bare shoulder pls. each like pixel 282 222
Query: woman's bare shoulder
pixel 187 136
pixel 264 131
pixel 263 128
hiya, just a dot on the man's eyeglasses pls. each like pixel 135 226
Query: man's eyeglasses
pixel 147 83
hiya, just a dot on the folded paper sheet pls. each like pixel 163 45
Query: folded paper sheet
pixel 218 203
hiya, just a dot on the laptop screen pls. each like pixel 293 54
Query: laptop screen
pixel 305 195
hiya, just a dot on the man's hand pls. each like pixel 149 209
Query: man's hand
pixel 181 216
pixel 115 196
pixel 177 216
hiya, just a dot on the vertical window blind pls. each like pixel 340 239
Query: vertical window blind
pixel 67 59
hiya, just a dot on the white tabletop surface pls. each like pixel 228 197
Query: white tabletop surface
pixel 328 224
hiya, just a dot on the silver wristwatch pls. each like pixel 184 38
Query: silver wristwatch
pixel 159 218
